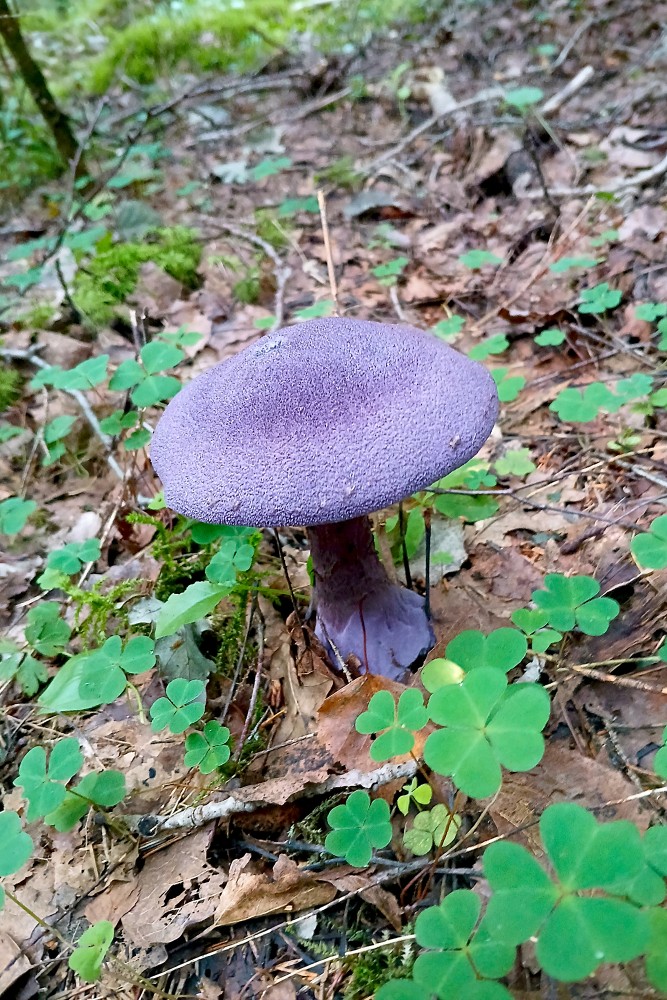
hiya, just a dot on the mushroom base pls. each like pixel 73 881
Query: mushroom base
pixel 359 610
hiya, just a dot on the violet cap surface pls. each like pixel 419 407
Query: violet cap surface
pixel 317 423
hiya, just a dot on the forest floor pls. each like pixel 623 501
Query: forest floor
pixel 450 207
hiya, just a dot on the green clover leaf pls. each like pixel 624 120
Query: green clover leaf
pixel 209 749
pixel 577 406
pixel 181 708
pixel 421 794
pixel 449 329
pixel 44 784
pixel 16 844
pixel 573 263
pixel 575 933
pixel 599 299
pixel 570 601
pixel 486 725
pixel 503 648
pixel 235 555
pixel 522 98
pixel 650 547
pixel 459 952
pixel 358 826
pixel 46 632
pixel 28 672
pixel 396 724
pixel 516 462
pixel 532 623
pixel 496 344
pixel 103 676
pixel 436 827
pixel 475 260
pixel 508 386
pixel 656 957
pixel 660 762
pixel 550 338
pixel 104 789
pixel 14 512
pixel 86 959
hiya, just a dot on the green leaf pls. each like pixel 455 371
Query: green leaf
pixel 651 311
pixel 154 389
pixel 46 632
pixel 650 547
pixel 550 338
pixel 523 894
pixel 477 259
pixel 570 601
pixel 269 167
pixel 496 344
pixel 14 513
pixel 16 844
pixel 25 670
pixel 358 827
pixel 448 329
pixel 86 959
pixel 292 206
pixel 435 827
pixel 208 750
pixel 137 439
pixel 319 309
pixel 503 648
pixel 194 603
pixel 523 97
pixel 516 462
pixel 532 623
pixel 71 558
pixel 581 406
pixel 485 725
pixel 158 356
pixel 181 708
pixel 104 789
pixel 586 854
pixel 43 785
pixel 58 428
pixel 583 933
pixel 395 724
pixel 656 958
pixel 508 386
pixel 599 299
pixel 390 272
pixel 84 376
pixel 440 671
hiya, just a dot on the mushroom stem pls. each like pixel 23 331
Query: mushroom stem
pixel 359 609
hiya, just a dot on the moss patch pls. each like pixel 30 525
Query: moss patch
pixel 105 281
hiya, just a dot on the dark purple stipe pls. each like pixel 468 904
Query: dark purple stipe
pixel 359 609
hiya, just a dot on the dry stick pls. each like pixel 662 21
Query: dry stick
pixel 556 101
pixel 427 560
pixel 93 422
pixel 287 576
pixel 234 804
pixel 404 547
pixel 629 682
pixel 327 249
pixel 255 687
pixel 640 179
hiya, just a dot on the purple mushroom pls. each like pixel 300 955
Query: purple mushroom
pixel 319 425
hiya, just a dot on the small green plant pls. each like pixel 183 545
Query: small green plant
pixel 475 260
pixel 599 299
pixel 395 723
pixel 68 561
pixel 143 376
pixel 432 828
pixel 14 514
pixel 43 779
pixel 576 264
pixel 550 338
pixel 503 649
pixel 46 631
pixel 522 99
pixel 497 344
pixel 54 434
pixel 515 462
pixel 583 405
pixel 473 476
pixel 17 847
pixel 650 547
pixel 358 827
pixel 183 706
pixel 449 329
pixel 388 274
pixel 421 795
pixel 573 601
pixel 92 947
pixel 533 624
pixel 208 749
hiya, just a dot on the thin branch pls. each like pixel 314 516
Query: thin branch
pixel 331 271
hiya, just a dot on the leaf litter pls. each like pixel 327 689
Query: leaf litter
pixel 427 178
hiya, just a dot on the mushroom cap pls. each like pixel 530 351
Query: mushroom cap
pixel 321 422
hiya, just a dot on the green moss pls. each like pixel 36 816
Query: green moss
pixel 10 387
pixel 197 37
pixel 105 281
pixel 375 968
pixel 36 318
pixel 247 289
pixel 230 630
pixel 270 229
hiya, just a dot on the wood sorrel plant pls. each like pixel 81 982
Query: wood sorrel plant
pixel 596 895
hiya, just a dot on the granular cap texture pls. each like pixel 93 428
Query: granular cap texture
pixel 321 422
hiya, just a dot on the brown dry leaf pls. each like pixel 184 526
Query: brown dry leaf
pixel 563 775
pixel 13 963
pixel 249 894
pixel 302 673
pixel 155 290
pixel 177 888
pixel 113 903
pixel 336 722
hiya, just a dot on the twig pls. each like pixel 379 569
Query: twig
pixel 573 86
pixel 640 179
pixel 246 800
pixel 427 561
pixel 396 302
pixel 567 48
pixel 629 682
pixel 255 687
pixel 327 249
